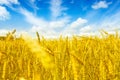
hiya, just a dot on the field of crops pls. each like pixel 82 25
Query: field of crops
pixel 76 58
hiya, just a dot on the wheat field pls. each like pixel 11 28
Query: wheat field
pixel 76 58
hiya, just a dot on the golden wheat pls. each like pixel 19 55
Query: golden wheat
pixel 76 58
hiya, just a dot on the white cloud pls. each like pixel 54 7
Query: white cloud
pixel 4 14
pixel 8 2
pixel 101 4
pixel 78 23
pixel 86 29
pixel 74 27
pixel 59 23
pixel 56 8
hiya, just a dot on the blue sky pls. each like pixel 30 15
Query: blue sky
pixel 59 17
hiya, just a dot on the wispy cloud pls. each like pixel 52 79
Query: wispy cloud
pixel 34 20
pixel 32 4
pixel 56 8
pixel 111 22
pixel 8 2
pixel 31 18
pixel 4 14
pixel 101 4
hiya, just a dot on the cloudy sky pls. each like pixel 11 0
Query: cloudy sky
pixel 59 17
